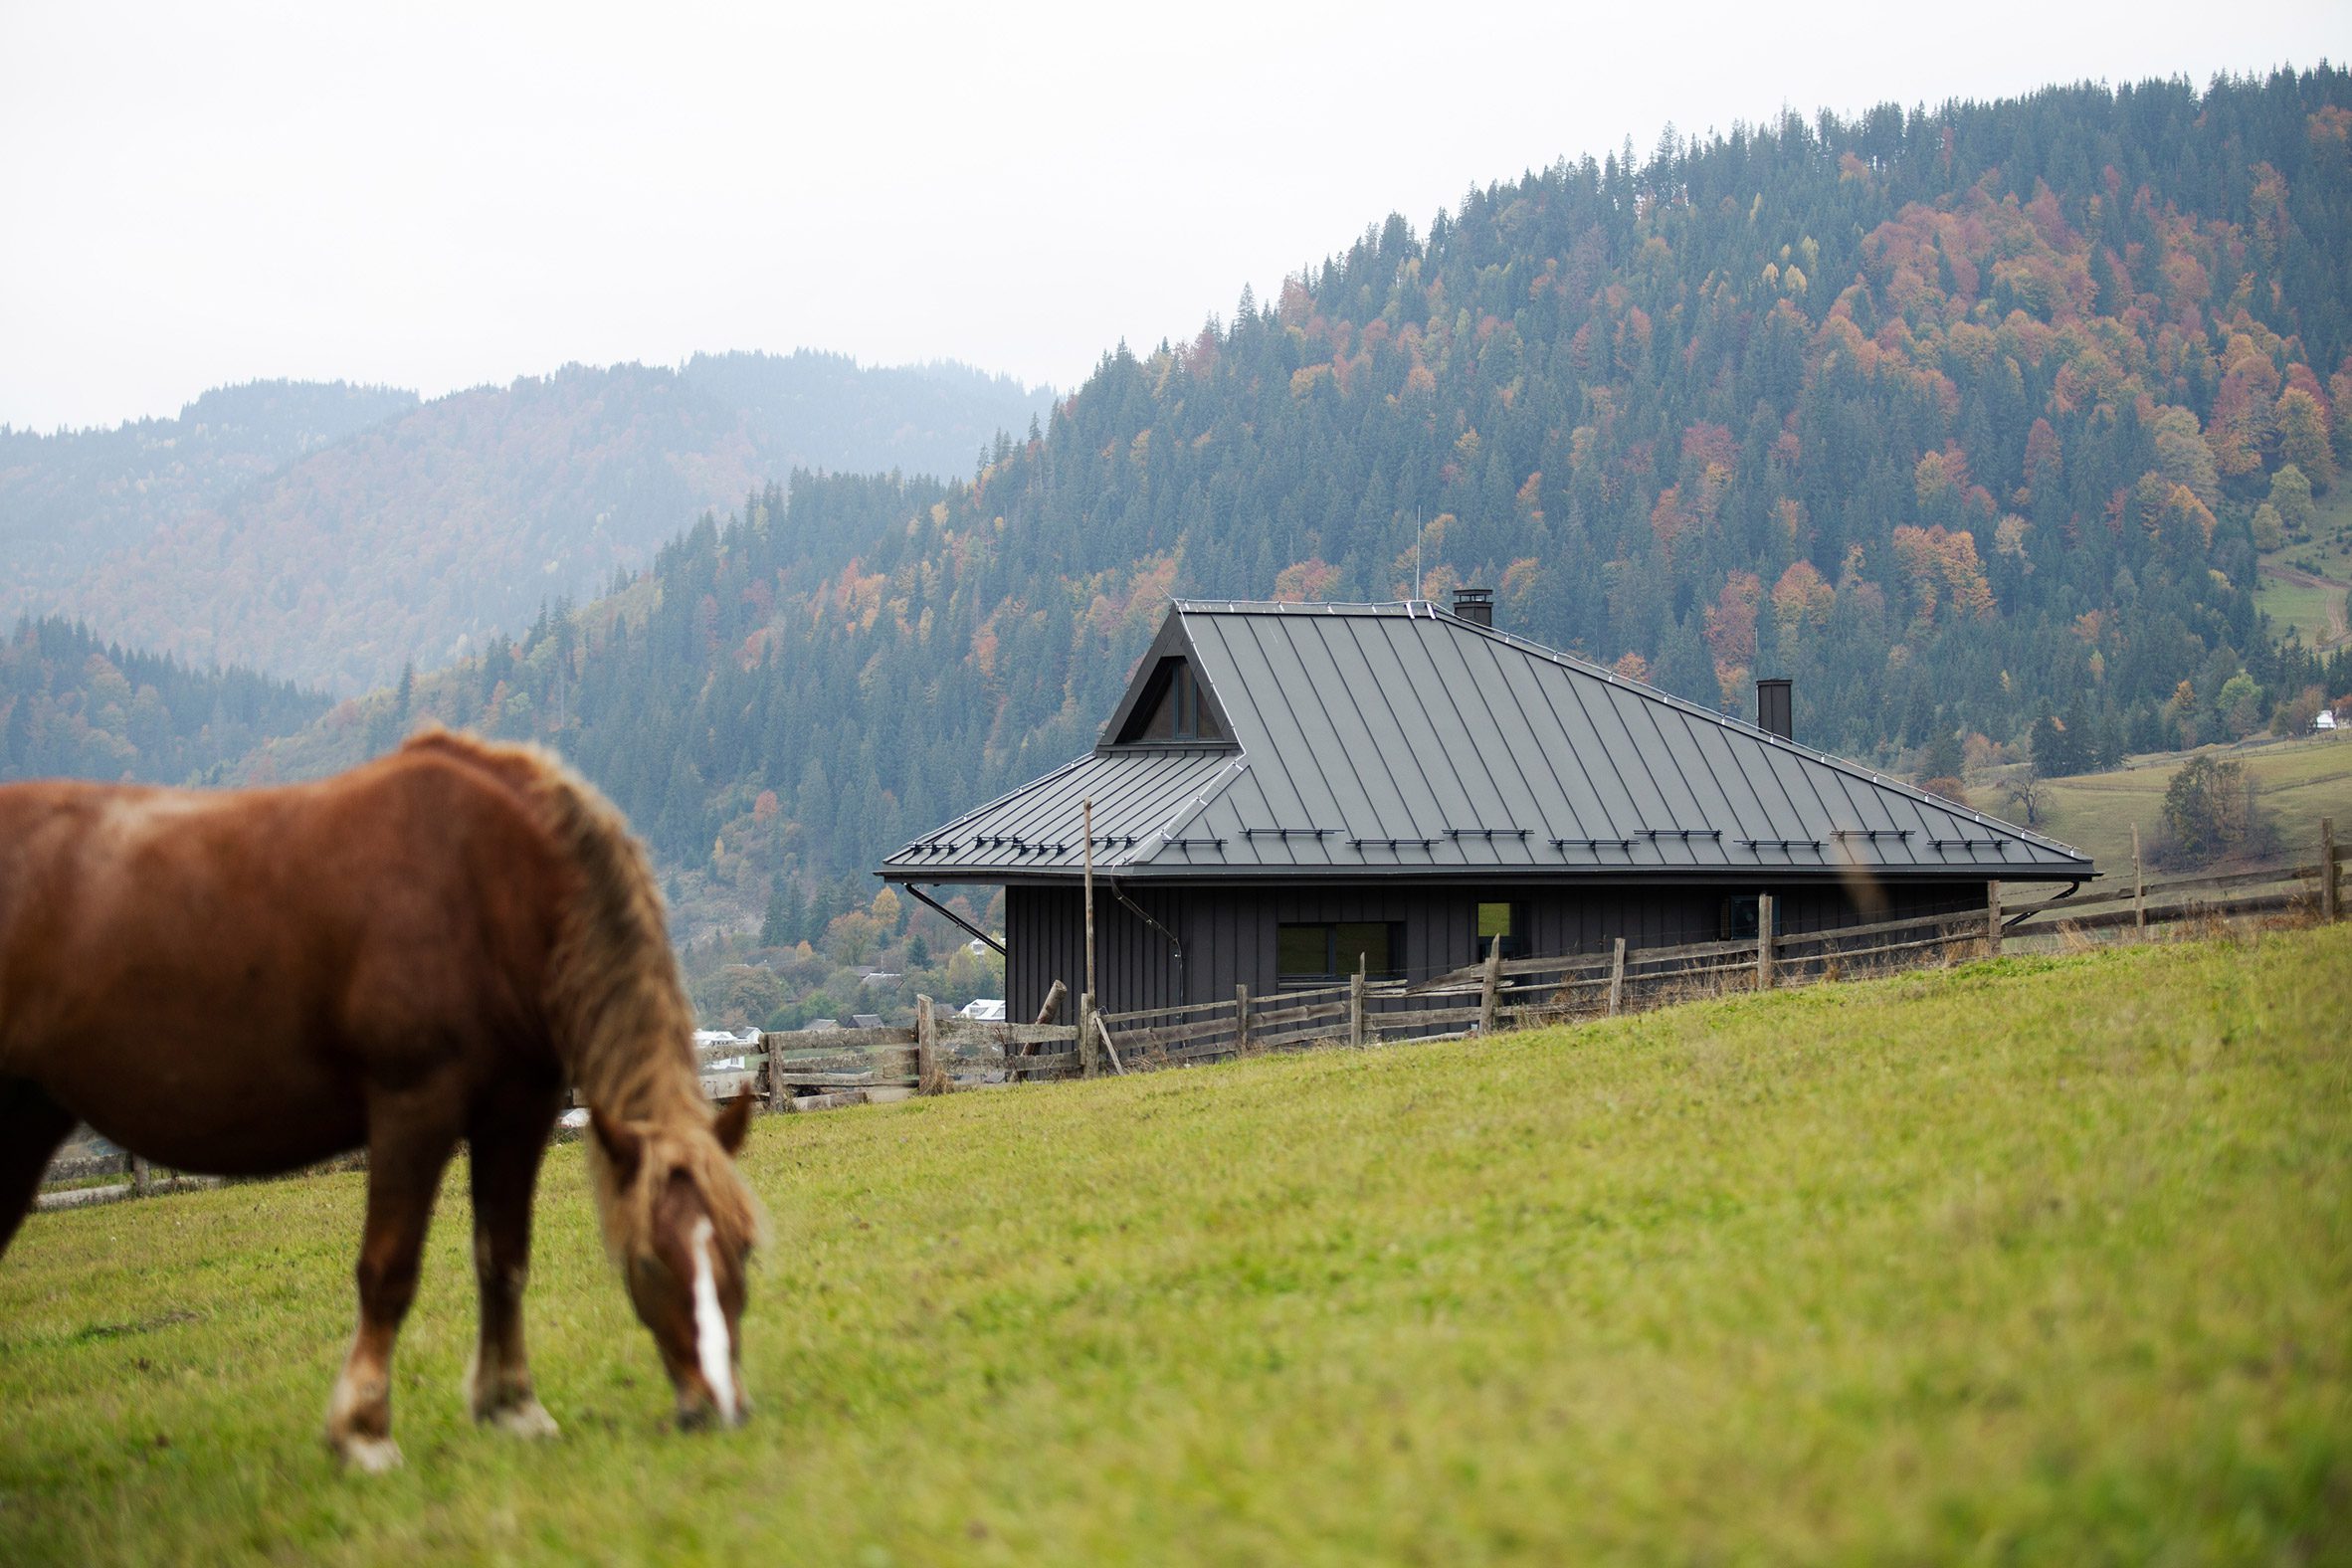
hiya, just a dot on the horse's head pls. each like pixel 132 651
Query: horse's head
pixel 685 1249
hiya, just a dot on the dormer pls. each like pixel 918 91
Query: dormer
pixel 1168 702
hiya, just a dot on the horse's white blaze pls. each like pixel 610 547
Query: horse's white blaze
pixel 710 1327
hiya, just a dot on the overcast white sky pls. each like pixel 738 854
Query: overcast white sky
pixel 439 196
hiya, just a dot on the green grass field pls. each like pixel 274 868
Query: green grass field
pixel 2047 1260
pixel 2296 782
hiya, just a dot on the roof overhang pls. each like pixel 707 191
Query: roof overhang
pixel 1201 875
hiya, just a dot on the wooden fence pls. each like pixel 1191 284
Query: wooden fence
pixel 1524 992
pixel 819 1070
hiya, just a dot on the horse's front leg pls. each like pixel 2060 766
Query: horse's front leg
pixel 406 1154
pixel 32 1126
pixel 504 1149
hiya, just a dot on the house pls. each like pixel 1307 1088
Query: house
pixel 1288 791
pixel 983 1010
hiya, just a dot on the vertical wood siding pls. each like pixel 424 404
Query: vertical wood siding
pixel 1226 934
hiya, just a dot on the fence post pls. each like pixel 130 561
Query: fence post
pixel 1045 1014
pixel 2139 889
pixel 1489 987
pixel 927 1078
pixel 1993 919
pixel 1355 1003
pixel 774 1068
pixel 1087 1047
pixel 2327 868
pixel 1763 941
pixel 1617 980
pixel 142 1180
pixel 1241 1020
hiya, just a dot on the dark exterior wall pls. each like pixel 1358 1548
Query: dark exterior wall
pixel 1226 934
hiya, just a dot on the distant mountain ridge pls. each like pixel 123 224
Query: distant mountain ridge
pixel 330 535
pixel 71 499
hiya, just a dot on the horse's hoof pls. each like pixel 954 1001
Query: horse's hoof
pixel 369 1455
pixel 527 1419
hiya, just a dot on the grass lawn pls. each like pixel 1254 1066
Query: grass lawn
pixel 2045 1259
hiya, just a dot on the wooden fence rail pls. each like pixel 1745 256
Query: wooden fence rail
pixel 1502 993
pixel 817 1069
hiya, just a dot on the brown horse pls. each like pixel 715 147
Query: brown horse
pixel 426 949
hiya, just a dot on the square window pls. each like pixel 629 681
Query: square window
pixel 1302 952
pixel 1322 953
pixel 1506 920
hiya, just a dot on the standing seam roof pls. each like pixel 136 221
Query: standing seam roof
pixel 1395 737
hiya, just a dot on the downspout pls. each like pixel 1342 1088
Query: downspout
pixel 1174 946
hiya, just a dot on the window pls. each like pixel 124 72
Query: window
pixel 1739 920
pixel 1308 954
pixel 1173 709
pixel 1506 920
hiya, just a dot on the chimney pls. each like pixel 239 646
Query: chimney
pixel 1773 711
pixel 1475 605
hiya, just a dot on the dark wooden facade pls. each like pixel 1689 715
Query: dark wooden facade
pixel 1160 944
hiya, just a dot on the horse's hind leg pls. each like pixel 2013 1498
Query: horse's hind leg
pixel 405 1159
pixel 32 1126
pixel 505 1150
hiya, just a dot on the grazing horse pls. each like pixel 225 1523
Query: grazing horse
pixel 426 949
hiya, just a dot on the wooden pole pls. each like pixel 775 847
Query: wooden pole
pixel 773 1044
pixel 2139 889
pixel 1109 1047
pixel 1993 919
pixel 1489 987
pixel 1087 805
pixel 927 1078
pixel 1089 1065
pixel 142 1180
pixel 1045 1014
pixel 1617 980
pixel 2327 869
pixel 1763 941
pixel 1355 1003
pixel 1241 1020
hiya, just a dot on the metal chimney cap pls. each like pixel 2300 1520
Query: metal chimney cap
pixel 1475 605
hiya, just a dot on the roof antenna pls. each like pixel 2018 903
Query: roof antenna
pixel 1417 577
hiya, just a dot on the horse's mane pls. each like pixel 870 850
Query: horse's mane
pixel 616 1007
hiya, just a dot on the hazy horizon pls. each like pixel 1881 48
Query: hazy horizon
pixel 434 199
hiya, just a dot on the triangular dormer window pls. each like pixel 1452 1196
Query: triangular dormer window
pixel 1173 709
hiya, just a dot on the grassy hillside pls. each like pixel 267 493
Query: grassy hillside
pixel 1819 1276
pixel 2296 782
pixel 2303 585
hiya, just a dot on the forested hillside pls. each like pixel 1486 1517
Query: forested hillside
pixel 70 499
pixel 1956 417
pixel 72 706
pixel 426 529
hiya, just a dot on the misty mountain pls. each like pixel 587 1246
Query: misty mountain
pixel 332 535
pixel 71 498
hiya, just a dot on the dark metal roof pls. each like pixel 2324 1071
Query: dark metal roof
pixel 1372 739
